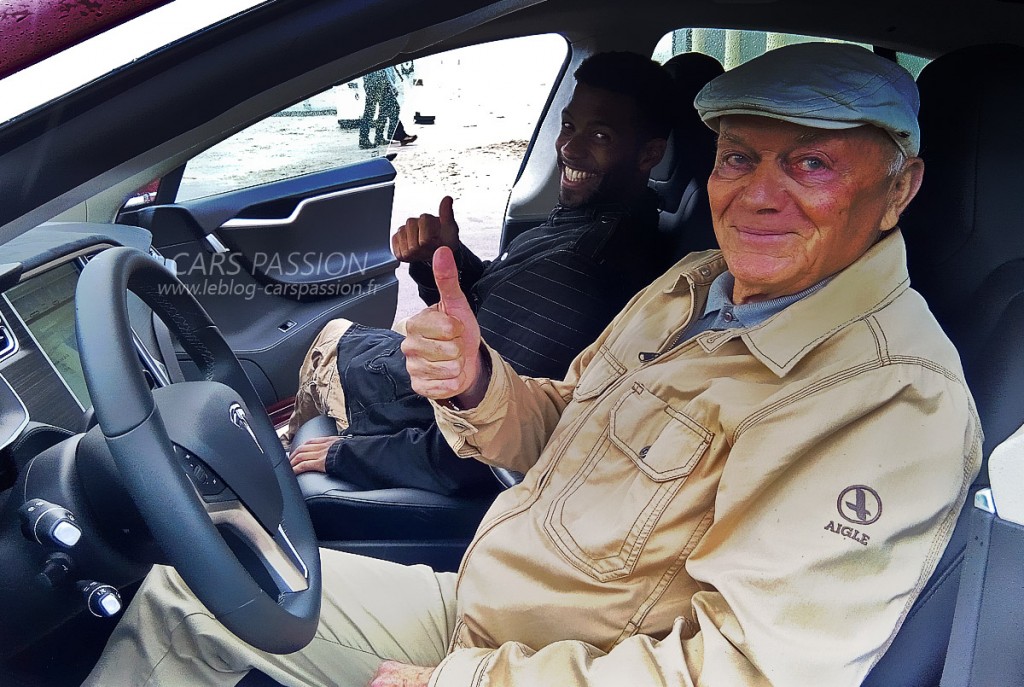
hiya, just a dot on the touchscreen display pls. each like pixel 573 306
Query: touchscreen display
pixel 46 304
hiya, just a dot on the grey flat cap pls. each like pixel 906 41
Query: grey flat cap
pixel 820 85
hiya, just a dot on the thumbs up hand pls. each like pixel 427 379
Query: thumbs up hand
pixel 442 344
pixel 419 237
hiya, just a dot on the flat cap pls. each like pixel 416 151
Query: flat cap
pixel 819 85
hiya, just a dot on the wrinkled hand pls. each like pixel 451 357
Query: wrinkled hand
pixel 395 674
pixel 421 236
pixel 311 456
pixel 442 343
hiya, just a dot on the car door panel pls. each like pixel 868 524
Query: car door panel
pixel 273 263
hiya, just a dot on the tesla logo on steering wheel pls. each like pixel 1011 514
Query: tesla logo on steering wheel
pixel 238 419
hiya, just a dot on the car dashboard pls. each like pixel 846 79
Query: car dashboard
pixel 43 394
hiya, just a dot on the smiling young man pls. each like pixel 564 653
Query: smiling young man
pixel 745 481
pixel 539 304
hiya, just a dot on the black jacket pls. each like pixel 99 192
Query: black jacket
pixel 548 296
pixel 557 286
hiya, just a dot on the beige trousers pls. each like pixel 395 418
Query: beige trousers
pixel 372 611
pixel 320 391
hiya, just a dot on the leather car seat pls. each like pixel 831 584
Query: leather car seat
pixel 399 524
pixel 680 179
pixel 965 246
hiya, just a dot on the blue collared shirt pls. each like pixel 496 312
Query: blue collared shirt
pixel 721 313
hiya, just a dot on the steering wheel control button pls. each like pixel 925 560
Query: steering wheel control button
pixel 206 481
pixel 49 524
pixel 102 600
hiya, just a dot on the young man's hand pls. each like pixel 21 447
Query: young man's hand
pixel 311 456
pixel 442 343
pixel 395 674
pixel 419 237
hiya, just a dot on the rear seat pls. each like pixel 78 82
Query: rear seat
pixel 680 179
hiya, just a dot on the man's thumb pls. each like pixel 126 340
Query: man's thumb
pixel 446 276
pixel 445 212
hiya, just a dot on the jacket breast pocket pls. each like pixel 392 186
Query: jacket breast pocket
pixel 604 516
pixel 600 373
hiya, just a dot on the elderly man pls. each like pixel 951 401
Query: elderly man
pixel 746 480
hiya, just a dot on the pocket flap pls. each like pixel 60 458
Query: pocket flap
pixel 664 443
pixel 602 371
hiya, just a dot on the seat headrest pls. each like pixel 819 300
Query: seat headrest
pixel 966 219
pixel 965 229
pixel 691 145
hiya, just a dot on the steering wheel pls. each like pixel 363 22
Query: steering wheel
pixel 201 460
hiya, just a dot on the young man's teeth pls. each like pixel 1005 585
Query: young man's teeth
pixel 576 175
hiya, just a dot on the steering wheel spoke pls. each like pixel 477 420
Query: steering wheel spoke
pixel 277 553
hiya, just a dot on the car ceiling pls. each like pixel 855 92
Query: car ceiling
pixel 58 157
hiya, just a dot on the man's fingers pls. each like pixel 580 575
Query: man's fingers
pixel 400 243
pixel 396 245
pixel 318 440
pixel 310 466
pixel 431 324
pixel 439 370
pixel 437 343
pixel 311 449
pixel 446 276
pixel 394 674
pixel 438 389
pixel 445 211
pixel 428 232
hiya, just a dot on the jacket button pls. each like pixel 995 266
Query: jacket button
pixel 644 450
pixel 705 271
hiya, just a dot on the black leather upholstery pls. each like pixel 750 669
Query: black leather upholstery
pixel 319 426
pixel 965 245
pixel 680 179
pixel 342 511
pixel 402 525
pixel 965 232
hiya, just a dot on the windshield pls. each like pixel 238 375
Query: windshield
pixel 82 62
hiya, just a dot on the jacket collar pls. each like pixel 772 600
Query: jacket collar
pixel 866 286
pixel 645 203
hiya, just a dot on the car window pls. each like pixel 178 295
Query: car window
pixel 472 113
pixel 733 47
pixel 485 102
pixel 478 94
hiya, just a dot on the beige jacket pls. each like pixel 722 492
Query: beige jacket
pixel 754 507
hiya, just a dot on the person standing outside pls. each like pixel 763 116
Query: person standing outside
pixel 382 110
